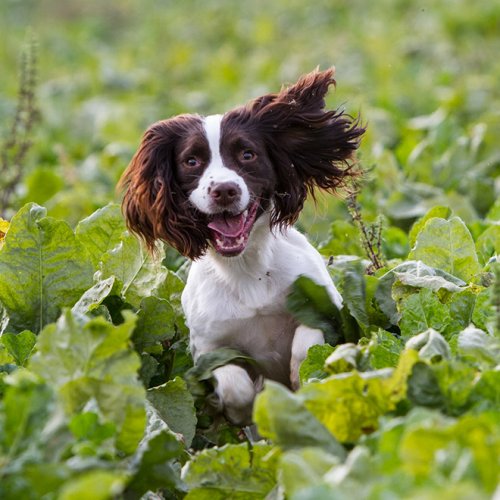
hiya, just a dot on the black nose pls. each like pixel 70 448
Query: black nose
pixel 225 193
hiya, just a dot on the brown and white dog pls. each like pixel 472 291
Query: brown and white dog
pixel 224 190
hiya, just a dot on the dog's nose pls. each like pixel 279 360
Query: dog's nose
pixel 225 193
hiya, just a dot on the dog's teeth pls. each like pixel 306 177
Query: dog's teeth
pixel 240 240
pixel 245 213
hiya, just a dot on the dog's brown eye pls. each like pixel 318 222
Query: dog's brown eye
pixel 192 162
pixel 248 155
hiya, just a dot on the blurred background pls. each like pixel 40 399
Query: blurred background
pixel 424 75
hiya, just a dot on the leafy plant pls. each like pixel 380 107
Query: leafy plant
pixel 99 397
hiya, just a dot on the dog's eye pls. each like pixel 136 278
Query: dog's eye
pixel 248 155
pixel 192 162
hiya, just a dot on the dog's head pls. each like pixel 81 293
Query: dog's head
pixel 200 181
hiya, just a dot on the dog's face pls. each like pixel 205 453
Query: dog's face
pixel 199 181
pixel 225 173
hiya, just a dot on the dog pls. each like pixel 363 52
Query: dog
pixel 225 191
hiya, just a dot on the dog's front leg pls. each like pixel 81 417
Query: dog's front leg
pixel 236 392
pixel 303 339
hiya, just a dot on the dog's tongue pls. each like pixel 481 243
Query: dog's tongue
pixel 228 225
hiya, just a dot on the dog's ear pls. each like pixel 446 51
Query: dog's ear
pixel 310 147
pixel 154 205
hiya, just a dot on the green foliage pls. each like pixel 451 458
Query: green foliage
pixel 42 269
pixel 98 394
pixel 238 471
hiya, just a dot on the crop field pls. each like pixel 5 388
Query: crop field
pixel 99 398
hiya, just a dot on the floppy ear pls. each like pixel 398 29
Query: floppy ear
pixel 154 205
pixel 310 147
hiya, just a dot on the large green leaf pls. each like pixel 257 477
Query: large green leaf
pixel 43 268
pixel 24 411
pixel 94 485
pixel 350 404
pixel 93 361
pixel 421 311
pixel 282 417
pixel 156 466
pixel 156 322
pixel 138 273
pixel 354 293
pixel 233 471
pixel 437 211
pixel 344 239
pixel 101 231
pixel 312 306
pixel 302 468
pixel 175 405
pixel 447 245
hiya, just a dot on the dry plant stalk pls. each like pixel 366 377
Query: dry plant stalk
pixel 18 142
pixel 371 234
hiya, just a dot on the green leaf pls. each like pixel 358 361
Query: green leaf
pixel 93 297
pixel 86 426
pixel 485 394
pixel 101 231
pixel 461 306
pixel 24 412
pixel 419 275
pixel 208 362
pixel 437 211
pixel 233 471
pixel 138 273
pixel 311 305
pixel 41 184
pixel 435 447
pixel 156 322
pixel 94 485
pixel 479 346
pixel 305 467
pixel 488 244
pixel 345 358
pixel 282 417
pixel 423 387
pixel 421 311
pixel 456 381
pixel 394 243
pixel 314 364
pixel 354 293
pixel 43 268
pixel 348 405
pixel 344 239
pixel 19 345
pixel 384 350
pixel 93 361
pixel 447 245
pixel 175 405
pixel 430 345
pixel 155 467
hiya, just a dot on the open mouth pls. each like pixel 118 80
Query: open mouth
pixel 230 232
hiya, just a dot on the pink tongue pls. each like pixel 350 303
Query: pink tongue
pixel 226 225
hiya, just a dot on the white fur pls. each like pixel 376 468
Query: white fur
pixel 239 302
pixel 216 172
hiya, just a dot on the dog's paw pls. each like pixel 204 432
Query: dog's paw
pixel 236 392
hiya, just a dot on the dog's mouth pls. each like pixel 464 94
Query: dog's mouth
pixel 230 232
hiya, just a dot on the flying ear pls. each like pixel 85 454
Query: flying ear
pixel 310 146
pixel 154 205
